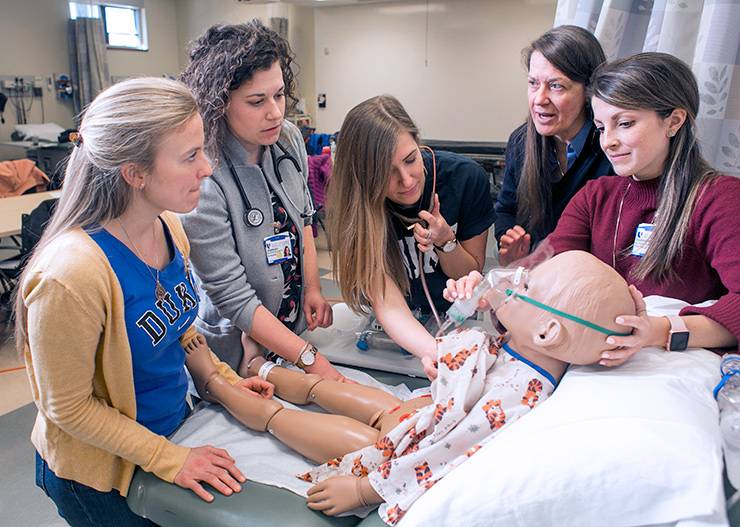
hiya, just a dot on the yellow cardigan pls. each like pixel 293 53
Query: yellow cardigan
pixel 79 364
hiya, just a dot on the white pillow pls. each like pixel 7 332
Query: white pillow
pixel 635 445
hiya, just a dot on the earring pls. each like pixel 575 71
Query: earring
pixel 141 187
pixel 671 133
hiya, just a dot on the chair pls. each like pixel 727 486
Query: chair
pixel 32 227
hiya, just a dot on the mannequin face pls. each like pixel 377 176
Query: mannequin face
pixel 406 181
pixel 636 141
pixel 557 104
pixel 579 284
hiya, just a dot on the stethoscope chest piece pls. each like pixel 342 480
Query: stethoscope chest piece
pixel 254 217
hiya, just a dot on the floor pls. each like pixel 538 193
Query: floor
pixel 21 502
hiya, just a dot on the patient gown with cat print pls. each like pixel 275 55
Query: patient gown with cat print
pixel 480 389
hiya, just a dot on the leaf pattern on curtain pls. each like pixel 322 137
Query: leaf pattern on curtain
pixel 88 60
pixel 702 33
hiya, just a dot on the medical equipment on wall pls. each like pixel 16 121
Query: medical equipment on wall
pixel 253 217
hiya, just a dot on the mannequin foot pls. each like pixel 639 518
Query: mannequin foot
pixel 199 363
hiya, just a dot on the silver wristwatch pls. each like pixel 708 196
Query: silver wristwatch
pixel 448 247
pixel 307 356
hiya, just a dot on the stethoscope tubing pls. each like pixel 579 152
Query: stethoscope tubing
pixel 253 216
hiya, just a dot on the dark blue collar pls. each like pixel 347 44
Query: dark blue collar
pixel 531 364
pixel 577 143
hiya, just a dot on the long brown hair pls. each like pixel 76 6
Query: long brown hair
pixel 124 124
pixel 576 52
pixel 661 83
pixel 364 246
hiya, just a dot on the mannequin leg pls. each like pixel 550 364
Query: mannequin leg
pixel 389 420
pixel 364 403
pixel 319 437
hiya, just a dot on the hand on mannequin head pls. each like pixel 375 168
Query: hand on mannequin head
pixel 643 333
pixel 341 494
pixel 514 245
pixel 577 283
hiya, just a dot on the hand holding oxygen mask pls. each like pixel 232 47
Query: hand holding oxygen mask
pixel 478 292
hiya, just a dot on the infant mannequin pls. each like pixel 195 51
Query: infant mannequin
pixel 381 449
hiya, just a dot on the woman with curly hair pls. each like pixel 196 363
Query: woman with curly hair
pixel 256 205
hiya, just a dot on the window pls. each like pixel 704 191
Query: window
pixel 125 25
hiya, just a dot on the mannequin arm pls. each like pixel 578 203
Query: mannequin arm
pixel 341 494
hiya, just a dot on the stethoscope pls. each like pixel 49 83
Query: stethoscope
pixel 254 217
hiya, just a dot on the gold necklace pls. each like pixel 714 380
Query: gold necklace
pixel 159 290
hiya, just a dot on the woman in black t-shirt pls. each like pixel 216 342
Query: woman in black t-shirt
pixel 396 210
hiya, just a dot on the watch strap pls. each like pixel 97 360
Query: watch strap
pixel 445 244
pixel 677 326
pixel 299 360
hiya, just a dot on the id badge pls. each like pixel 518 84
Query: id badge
pixel 642 238
pixel 278 248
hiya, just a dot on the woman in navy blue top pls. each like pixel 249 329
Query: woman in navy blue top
pixel 552 155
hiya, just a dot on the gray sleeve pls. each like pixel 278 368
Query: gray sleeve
pixel 216 260
pixel 299 147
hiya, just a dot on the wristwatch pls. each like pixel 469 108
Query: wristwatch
pixel 307 356
pixel 678 334
pixel 448 247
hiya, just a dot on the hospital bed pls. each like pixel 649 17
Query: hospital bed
pixel 637 445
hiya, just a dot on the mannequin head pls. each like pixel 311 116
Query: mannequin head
pixel 577 283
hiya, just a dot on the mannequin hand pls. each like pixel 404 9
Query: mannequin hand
pixel 430 367
pixel 463 288
pixel 317 310
pixel 437 231
pixel 339 494
pixel 644 330
pixel 514 245
pixel 256 386
pixel 211 465
pixel 324 368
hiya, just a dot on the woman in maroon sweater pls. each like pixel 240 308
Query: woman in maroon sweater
pixel 670 223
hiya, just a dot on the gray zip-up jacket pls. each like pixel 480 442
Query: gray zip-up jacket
pixel 228 255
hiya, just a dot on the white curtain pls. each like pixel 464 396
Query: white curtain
pixel 88 60
pixel 703 33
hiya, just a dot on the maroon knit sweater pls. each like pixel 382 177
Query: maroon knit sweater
pixel 709 267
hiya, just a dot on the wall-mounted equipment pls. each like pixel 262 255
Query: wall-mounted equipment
pixel 63 86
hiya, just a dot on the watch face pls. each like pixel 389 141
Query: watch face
pixel 449 246
pixel 679 341
pixel 308 357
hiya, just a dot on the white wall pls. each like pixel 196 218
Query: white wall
pixel 195 16
pixel 162 58
pixel 473 85
pixel 33 40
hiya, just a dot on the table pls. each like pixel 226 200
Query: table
pixel 12 208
